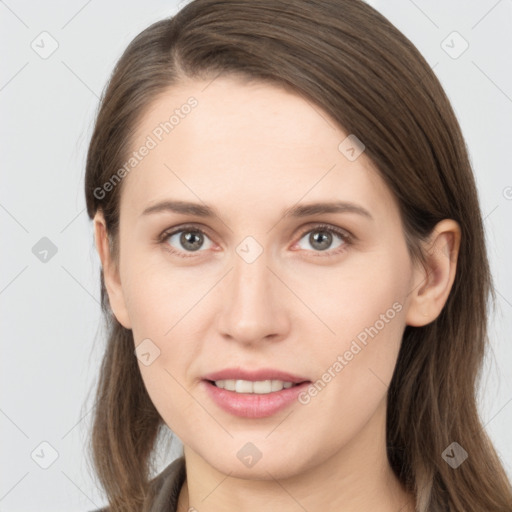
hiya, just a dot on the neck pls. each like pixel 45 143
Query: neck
pixel 356 478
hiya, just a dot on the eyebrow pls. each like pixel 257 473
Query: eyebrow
pixel 303 210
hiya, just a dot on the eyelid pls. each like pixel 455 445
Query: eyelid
pixel 344 233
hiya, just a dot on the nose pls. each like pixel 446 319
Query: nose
pixel 253 303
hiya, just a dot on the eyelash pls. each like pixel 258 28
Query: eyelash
pixel 345 237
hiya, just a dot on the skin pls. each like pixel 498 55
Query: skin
pixel 251 151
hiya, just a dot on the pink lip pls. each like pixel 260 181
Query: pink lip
pixel 250 405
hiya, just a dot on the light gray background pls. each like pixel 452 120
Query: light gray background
pixel 50 322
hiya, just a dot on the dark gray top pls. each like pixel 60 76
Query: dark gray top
pixel 167 486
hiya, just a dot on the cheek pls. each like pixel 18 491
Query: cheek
pixel 158 296
pixel 364 308
pixel 164 311
pixel 367 291
pixel 164 332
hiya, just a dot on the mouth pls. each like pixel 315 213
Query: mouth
pixel 253 394
pixel 258 387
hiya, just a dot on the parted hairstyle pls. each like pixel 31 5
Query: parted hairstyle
pixel 348 59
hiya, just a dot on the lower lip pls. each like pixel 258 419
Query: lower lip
pixel 252 405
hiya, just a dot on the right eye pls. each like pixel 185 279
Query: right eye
pixel 186 239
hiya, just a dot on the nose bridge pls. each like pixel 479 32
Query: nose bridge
pixel 250 309
pixel 251 279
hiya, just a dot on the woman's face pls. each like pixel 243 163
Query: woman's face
pixel 321 295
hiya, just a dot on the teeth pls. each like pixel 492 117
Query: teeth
pixel 259 387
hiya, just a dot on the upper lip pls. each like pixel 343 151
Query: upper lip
pixel 254 375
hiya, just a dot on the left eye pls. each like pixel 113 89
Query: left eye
pixel 321 238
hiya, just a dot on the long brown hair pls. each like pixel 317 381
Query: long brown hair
pixel 346 58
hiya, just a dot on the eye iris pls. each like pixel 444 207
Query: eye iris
pixel 189 240
pixel 324 238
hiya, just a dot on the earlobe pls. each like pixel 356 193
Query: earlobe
pixel 110 271
pixel 433 281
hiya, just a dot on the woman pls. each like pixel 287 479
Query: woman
pixel 293 269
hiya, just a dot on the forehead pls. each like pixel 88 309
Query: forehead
pixel 244 144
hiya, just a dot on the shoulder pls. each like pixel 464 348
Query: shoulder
pixel 164 488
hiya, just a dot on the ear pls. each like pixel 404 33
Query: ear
pixel 110 271
pixel 434 280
